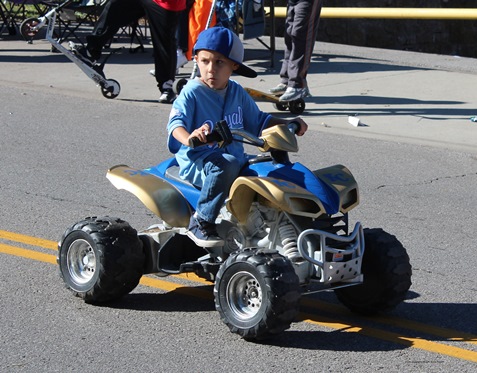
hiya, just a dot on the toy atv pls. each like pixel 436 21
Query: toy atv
pixel 285 231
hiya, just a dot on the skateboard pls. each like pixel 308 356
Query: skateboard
pixel 295 106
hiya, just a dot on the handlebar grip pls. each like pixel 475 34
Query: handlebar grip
pixel 194 142
pixel 211 137
pixel 294 127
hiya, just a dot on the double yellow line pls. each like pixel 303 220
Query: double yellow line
pixel 321 320
pixel 32 241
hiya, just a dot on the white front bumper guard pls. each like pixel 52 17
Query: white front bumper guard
pixel 345 264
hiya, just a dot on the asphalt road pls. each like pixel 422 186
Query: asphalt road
pixel 55 149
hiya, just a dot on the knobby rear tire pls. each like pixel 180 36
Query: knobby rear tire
pixel 100 259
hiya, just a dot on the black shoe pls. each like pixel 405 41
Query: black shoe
pixel 203 233
pixel 84 54
pixel 167 97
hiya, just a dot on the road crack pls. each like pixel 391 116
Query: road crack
pixel 426 182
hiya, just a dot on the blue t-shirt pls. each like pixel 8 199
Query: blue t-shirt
pixel 198 104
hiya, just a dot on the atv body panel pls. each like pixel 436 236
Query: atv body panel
pixel 290 187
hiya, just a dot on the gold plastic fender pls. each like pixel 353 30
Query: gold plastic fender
pixel 160 197
pixel 290 197
pixel 277 193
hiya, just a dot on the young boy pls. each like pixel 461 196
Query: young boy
pixel 202 102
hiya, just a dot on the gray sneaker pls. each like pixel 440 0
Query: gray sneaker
pixel 292 94
pixel 279 89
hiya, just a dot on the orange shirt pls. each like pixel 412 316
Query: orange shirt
pixel 198 17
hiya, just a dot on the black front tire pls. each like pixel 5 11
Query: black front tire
pixel 100 259
pixel 387 275
pixel 26 28
pixel 257 293
pixel 112 91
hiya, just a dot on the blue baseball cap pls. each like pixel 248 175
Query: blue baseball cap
pixel 224 41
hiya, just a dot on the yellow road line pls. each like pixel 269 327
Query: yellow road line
pixel 418 343
pixel 448 334
pixel 30 254
pixel 33 241
pixel 170 286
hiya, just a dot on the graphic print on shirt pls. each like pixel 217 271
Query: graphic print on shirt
pixel 235 120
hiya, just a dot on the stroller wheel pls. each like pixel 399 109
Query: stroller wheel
pixel 178 85
pixel 27 28
pixel 110 89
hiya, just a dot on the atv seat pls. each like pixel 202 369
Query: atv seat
pixel 172 173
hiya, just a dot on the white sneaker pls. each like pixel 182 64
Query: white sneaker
pixel 181 59
pixel 292 94
pixel 279 89
pixel 152 72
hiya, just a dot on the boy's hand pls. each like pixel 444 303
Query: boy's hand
pixel 200 133
pixel 303 126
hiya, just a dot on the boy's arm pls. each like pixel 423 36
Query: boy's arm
pixel 181 134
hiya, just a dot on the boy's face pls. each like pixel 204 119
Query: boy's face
pixel 215 68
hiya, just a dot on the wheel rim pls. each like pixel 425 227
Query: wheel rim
pixel 26 28
pixel 81 261
pixel 244 295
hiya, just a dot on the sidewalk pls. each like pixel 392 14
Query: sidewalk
pixel 397 96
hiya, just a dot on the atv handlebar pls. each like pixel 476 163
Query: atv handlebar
pixel 195 142
pixel 224 135
pixel 220 134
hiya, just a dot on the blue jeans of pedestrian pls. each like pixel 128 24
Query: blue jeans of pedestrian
pixel 219 171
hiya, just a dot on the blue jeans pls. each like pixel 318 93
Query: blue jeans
pixel 219 171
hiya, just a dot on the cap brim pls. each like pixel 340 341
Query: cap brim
pixel 246 71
